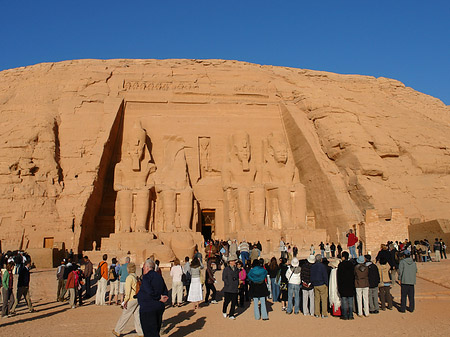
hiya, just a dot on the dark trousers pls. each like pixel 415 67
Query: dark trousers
pixel 443 254
pixel 151 322
pixel 241 294
pixel 385 296
pixel 88 287
pixel 210 287
pixel 407 290
pixel 229 297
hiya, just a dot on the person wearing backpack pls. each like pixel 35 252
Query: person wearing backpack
pixel 61 283
pixel 113 278
pixel 130 303
pixel 102 281
pixel 258 289
pixel 293 276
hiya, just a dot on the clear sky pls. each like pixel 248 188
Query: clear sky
pixel 405 40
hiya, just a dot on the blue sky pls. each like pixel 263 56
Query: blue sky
pixel 405 40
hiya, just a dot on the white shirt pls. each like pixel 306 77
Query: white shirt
pixel 176 273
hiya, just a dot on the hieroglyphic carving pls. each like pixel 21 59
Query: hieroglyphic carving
pixel 204 144
pixel 131 181
pixel 240 179
pixel 158 86
pixel 282 185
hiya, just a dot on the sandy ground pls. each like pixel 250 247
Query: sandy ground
pixel 431 317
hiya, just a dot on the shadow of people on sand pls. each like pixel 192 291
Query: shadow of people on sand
pixel 190 328
pixel 173 321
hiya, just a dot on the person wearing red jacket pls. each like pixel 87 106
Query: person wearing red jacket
pixel 352 239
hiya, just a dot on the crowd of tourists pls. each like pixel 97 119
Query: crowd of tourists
pixel 332 282
pixel 15 266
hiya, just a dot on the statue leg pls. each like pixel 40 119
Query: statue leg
pixel 243 205
pixel 284 205
pixel 169 207
pixel 185 209
pixel 125 202
pixel 300 206
pixel 260 206
pixel 141 209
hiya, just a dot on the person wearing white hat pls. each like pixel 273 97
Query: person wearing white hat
pixel 362 286
pixel 293 276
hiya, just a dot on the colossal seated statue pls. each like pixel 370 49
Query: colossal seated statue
pixel 241 180
pixel 282 185
pixel 131 176
pixel 173 187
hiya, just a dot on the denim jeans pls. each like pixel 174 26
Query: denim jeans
pixel 263 308
pixel 275 289
pixel 347 307
pixel 352 250
pixel 245 256
pixel 293 290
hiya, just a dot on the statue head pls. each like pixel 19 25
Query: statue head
pixel 136 145
pixel 241 148
pixel 277 147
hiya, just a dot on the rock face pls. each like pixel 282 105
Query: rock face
pixel 92 147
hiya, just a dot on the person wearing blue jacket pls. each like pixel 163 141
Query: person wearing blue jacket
pixel 319 279
pixel 258 289
pixel 151 297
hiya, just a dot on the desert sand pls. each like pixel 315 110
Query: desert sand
pixel 431 317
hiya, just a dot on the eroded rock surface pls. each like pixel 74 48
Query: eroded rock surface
pixel 358 143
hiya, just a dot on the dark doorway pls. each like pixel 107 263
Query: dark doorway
pixel 208 222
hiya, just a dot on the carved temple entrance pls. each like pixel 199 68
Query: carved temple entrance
pixel 208 221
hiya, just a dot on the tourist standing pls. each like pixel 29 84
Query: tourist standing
pixel 293 276
pixel 245 251
pixel 273 271
pixel 103 282
pixel 362 286
pixel 114 281
pixel 242 283
pixel 443 249
pixel 283 283
pixel 151 297
pixel 187 275
pixel 322 249
pixel 61 282
pixel 258 290
pixel 339 251
pixel 230 277
pixel 385 284
pixel 352 239
pixel 374 281
pixel 327 250
pixel 437 250
pixel 88 270
pixel 195 290
pixel 333 249
pixel 209 282
pixel 7 290
pixel 176 273
pixel 123 274
pixel 307 286
pixel 346 286
pixel 407 277
pixel 70 287
pixel 23 287
pixel 130 303
pixel 319 279
pixel 333 293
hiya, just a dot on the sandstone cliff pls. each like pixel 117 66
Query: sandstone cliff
pixel 359 142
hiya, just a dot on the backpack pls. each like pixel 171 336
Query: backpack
pixel 138 286
pixel 98 272
pixel 112 276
